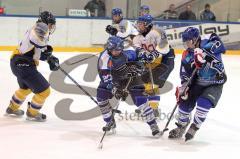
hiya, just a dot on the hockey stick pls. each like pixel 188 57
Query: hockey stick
pixel 78 85
pixel 75 62
pixel 100 146
pixel 175 107
pixel 155 111
pixel 151 78
pixel 89 95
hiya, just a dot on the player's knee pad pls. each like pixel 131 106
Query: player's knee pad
pixel 153 101
pixel 45 93
pixel 204 103
pixel 140 100
pixel 40 98
pixel 202 109
pixel 22 93
pixel 149 89
pixel 37 101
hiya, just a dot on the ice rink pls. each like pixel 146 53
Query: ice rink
pixel 219 136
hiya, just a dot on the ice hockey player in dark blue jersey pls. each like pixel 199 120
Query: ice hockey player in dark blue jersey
pixel 119 71
pixel 205 89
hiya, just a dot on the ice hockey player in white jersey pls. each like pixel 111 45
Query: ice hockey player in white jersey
pixel 152 43
pixel 24 63
pixel 122 28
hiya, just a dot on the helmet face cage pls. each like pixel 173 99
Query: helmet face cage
pixel 117 12
pixel 48 18
pixel 144 10
pixel 52 28
pixel 115 44
pixel 146 20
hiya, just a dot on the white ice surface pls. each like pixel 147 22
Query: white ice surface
pixel 219 136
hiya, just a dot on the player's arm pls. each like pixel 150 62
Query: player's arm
pixel 162 42
pixel 104 71
pixel 186 68
pixel 214 45
pixel 36 38
pixel 128 27
pixel 161 47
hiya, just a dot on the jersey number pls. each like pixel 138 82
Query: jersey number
pixel 149 48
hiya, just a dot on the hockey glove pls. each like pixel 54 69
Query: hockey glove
pixel 142 56
pixel 120 94
pixel 53 63
pixel 182 92
pixel 145 56
pixel 199 58
pixel 111 30
pixel 150 58
pixel 46 53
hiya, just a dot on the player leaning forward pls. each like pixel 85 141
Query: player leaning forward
pixel 206 87
pixel 24 63
pixel 119 71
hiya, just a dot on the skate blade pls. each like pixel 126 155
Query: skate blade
pixel 111 132
pixel 100 146
pixel 177 139
pixel 158 135
pixel 138 111
pixel 13 115
pixel 35 120
pixel 188 140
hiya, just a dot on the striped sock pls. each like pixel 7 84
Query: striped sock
pixel 18 98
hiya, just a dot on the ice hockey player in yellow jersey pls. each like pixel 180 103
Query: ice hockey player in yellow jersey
pixel 24 62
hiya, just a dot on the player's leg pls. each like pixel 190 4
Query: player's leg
pixel 17 100
pixel 152 90
pixel 41 89
pixel 103 96
pixel 208 99
pixel 162 71
pixel 184 112
pixel 20 95
pixel 141 101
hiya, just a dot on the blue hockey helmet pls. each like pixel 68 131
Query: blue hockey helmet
pixel 115 43
pixel 117 11
pixel 144 9
pixel 117 15
pixel 147 19
pixel 190 33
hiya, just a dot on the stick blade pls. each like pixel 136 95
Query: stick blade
pixel 100 146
